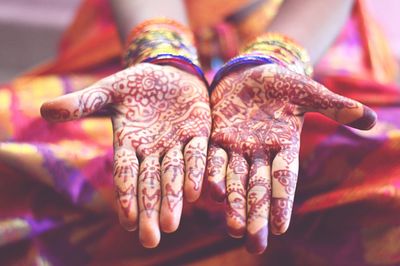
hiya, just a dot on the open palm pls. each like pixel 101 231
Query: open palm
pixel 161 123
pixel 253 161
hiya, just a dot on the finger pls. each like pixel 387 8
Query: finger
pixel 258 206
pixel 315 97
pixel 216 172
pixel 236 195
pixel 149 201
pixel 346 111
pixel 78 104
pixel 125 181
pixel 172 189
pixel 284 178
pixel 195 163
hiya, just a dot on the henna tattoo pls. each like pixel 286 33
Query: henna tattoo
pixel 154 108
pixel 173 197
pixel 236 192
pixel 215 165
pixel 259 194
pixel 124 198
pixel 149 185
pixel 258 198
pixel 281 210
pixel 125 172
pixel 125 165
pixel 259 113
pixel 150 173
pixel 195 159
pixel 159 108
pixel 262 112
pixel 299 92
pixel 150 201
pixel 174 164
pixel 92 100
pixel 287 179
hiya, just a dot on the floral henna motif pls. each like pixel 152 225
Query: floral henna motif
pixel 281 209
pixel 258 113
pixel 93 100
pixel 259 195
pixel 236 189
pixel 258 198
pixel 215 164
pixel 287 179
pixel 298 91
pixel 158 109
pixel 153 109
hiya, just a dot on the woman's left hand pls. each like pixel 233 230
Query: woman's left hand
pixel 257 117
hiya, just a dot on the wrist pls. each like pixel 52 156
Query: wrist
pixel 270 48
pixel 163 41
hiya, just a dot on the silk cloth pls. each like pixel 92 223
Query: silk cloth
pixel 56 196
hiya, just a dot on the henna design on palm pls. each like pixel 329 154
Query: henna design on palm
pixel 258 115
pixel 157 112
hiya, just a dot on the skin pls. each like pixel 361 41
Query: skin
pixel 129 13
pixel 161 123
pixel 313 24
pixel 253 159
pixel 160 154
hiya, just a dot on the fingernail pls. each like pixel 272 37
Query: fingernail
pixel 129 226
pixel 367 121
pixel 149 235
pixel 257 243
pixel 236 232
pixel 217 192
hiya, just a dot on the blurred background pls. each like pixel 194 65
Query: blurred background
pixel 30 30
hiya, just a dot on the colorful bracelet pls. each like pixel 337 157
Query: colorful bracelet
pixel 165 42
pixel 270 48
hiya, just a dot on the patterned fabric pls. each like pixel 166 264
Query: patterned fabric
pixel 56 198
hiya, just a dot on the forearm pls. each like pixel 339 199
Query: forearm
pixel 129 13
pixel 313 24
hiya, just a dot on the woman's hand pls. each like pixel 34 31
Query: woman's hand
pixel 257 116
pixel 161 123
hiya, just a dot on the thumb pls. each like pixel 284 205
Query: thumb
pixel 315 97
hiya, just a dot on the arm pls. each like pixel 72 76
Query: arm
pixel 258 103
pixel 161 117
pixel 313 24
pixel 129 13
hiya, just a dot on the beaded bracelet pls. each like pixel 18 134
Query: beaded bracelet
pixel 270 48
pixel 165 42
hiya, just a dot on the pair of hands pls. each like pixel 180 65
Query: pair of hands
pixel 162 122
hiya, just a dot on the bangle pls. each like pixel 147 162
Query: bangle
pixel 165 42
pixel 270 48
pixel 283 49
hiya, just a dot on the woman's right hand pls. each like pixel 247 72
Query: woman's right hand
pixel 253 161
pixel 161 123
